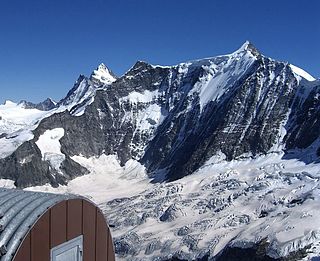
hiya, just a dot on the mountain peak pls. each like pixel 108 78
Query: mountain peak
pixel 102 66
pixel 103 75
pixel 140 64
pixel 248 47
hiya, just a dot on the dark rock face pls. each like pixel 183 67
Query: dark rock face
pixel 80 88
pixel 303 129
pixel 128 245
pixel 27 168
pixel 172 120
pixel 247 119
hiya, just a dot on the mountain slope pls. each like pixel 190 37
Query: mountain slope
pixel 173 119
pixel 245 118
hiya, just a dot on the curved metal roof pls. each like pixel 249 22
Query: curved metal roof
pixel 19 211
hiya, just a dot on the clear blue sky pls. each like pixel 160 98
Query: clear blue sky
pixel 46 44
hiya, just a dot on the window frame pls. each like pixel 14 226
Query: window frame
pixel 75 242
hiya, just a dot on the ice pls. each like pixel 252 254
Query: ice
pixel 146 114
pixel 224 203
pixel 17 122
pixel 235 203
pixel 11 142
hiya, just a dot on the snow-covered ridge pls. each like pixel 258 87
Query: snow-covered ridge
pixel 13 116
pixel 300 72
pixel 247 48
pixel 223 75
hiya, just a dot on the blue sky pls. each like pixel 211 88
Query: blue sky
pixel 46 44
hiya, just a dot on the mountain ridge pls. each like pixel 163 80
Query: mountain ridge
pixel 199 105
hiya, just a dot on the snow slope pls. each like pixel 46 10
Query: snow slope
pixel 17 124
pixel 50 147
pixel 228 203
pixel 107 179
pixel 14 117
pixel 223 71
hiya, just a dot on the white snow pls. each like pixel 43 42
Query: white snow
pixel 80 111
pixel 50 147
pixel 48 142
pixel 146 115
pixel 7 183
pixel 84 95
pixel 107 179
pixel 17 124
pixel 10 143
pixel 145 97
pixel 221 203
pixel 150 117
pixel 14 117
pixel 300 72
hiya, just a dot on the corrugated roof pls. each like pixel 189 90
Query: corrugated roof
pixel 19 211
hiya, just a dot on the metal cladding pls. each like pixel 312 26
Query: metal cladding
pixel 19 211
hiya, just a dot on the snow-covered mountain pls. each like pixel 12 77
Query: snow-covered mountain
pixel 84 89
pixel 174 121
pixel 18 124
pixel 102 75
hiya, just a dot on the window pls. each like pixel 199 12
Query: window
pixel 68 251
